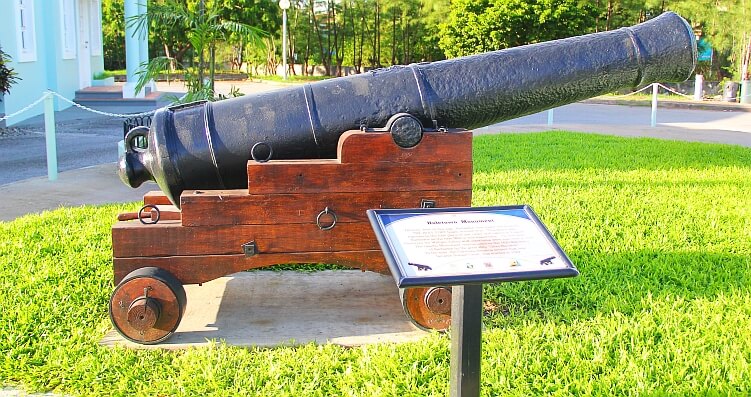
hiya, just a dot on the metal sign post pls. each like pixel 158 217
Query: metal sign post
pixel 466 340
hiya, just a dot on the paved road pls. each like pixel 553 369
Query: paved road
pixel 80 143
pixel 639 116
pixel 84 140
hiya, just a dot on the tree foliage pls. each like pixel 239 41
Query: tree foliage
pixel 364 33
pixel 485 25
pixel 205 29
pixel 482 25
pixel 263 14
pixel 375 33
pixel 113 34
pixel 726 24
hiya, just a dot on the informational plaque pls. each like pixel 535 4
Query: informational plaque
pixel 453 246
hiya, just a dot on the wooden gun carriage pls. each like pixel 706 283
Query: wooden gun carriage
pixel 297 211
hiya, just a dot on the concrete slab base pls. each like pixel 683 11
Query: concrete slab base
pixel 267 308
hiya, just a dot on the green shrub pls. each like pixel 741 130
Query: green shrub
pixel 8 76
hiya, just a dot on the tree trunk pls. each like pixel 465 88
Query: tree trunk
pixel 335 30
pixel 405 43
pixel 180 54
pixel 354 36
pixel 377 27
pixel 597 17
pixel 308 32
pixel 171 60
pixel 271 57
pixel 202 9
pixel 331 22
pixel 608 14
pixel 342 45
pixel 212 66
pixel 291 43
pixel 362 43
pixel 746 56
pixel 393 36
pixel 320 40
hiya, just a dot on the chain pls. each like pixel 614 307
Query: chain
pixel 118 115
pixel 650 86
pixel 88 109
pixel 633 93
pixel 38 101
pixel 674 92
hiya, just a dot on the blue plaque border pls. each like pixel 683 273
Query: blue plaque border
pixel 380 218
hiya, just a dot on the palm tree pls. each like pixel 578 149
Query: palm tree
pixel 205 29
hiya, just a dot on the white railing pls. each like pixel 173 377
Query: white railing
pixel 655 91
pixel 49 124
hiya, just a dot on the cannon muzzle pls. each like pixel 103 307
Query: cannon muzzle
pixel 207 145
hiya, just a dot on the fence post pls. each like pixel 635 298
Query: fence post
pixel 550 117
pixel 699 88
pixel 49 135
pixel 654 104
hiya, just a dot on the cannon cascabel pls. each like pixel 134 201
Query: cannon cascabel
pixel 207 145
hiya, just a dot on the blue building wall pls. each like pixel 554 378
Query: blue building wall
pixel 50 70
pixel 32 75
pixel 62 74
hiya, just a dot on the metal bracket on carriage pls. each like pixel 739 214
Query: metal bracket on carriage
pixel 250 248
pixel 152 213
pixel 425 203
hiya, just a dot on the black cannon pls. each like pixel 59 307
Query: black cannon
pixel 380 137
pixel 207 145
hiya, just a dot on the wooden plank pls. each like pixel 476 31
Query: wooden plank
pixel 169 238
pixel 156 197
pixel 237 207
pixel 369 147
pixel 274 177
pixel 166 213
pixel 203 268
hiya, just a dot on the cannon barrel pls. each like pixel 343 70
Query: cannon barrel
pixel 207 145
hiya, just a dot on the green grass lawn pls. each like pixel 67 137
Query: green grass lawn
pixel 660 231
pixel 646 96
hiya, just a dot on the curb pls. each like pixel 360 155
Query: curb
pixel 714 106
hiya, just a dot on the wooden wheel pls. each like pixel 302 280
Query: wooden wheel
pixel 147 306
pixel 429 308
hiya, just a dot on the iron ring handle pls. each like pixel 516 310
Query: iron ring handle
pixel 132 136
pixel 152 207
pixel 326 211
pixel 253 152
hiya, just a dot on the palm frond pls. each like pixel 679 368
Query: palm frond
pixel 253 34
pixel 150 70
pixel 169 13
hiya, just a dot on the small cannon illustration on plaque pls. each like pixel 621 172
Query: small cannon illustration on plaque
pixel 286 176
